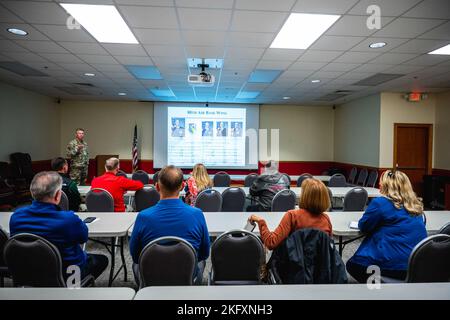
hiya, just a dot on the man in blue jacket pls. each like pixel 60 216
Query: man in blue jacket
pixel 62 228
pixel 171 217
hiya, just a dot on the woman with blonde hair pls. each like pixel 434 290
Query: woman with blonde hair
pixel 197 182
pixel 314 201
pixel 393 225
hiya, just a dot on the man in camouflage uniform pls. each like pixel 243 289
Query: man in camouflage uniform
pixel 77 152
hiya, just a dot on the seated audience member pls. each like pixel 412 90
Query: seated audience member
pixel 314 201
pixel 116 185
pixel 69 186
pixel 171 217
pixel 393 225
pixel 197 182
pixel 62 228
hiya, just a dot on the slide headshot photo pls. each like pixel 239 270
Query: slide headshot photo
pixel 236 129
pixel 207 128
pixel 178 127
pixel 222 127
pixel 192 128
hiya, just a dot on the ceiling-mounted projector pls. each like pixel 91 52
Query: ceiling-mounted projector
pixel 203 79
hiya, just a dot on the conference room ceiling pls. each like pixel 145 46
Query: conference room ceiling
pixel 238 31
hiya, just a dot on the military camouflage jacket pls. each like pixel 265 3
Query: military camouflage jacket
pixel 78 158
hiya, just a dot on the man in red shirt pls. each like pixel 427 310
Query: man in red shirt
pixel 116 185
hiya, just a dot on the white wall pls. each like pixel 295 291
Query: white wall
pixel 395 109
pixel 306 132
pixel 442 132
pixel 29 122
pixel 357 131
pixel 109 126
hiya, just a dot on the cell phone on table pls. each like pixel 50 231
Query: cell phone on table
pixel 89 219
pixel 250 226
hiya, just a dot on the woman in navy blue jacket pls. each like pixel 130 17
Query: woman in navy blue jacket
pixel 393 225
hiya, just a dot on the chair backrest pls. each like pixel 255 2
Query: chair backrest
pixel 355 199
pixel 337 180
pixel 3 239
pixel 155 177
pixel 233 199
pixel 362 177
pixel 221 179
pixel 99 200
pixel 430 260
pixel 288 177
pixel 146 198
pixel 249 179
pixel 352 175
pixel 209 200
pixel 372 180
pixel 167 261
pixel 330 194
pixel 121 174
pixel 445 229
pixel 284 200
pixel 33 261
pixel 237 257
pixel 141 176
pixel 64 202
pixel 303 177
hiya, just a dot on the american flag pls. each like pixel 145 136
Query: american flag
pixel 134 150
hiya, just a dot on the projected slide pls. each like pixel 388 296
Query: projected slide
pixel 212 136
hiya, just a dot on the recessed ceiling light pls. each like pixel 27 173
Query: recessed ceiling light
pixel 103 22
pixel 286 98
pixel 18 32
pixel 315 81
pixel 301 29
pixel 122 94
pixel 377 45
pixel 88 74
pixel 443 50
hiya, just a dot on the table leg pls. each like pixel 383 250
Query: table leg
pixel 113 260
pixel 123 259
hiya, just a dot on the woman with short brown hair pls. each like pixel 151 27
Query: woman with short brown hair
pixel 314 201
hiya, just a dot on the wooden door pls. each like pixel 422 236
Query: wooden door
pixel 413 152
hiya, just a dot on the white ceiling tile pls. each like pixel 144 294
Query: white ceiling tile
pixel 38 12
pixel 357 57
pixel 324 6
pixel 133 60
pixel 83 48
pixel 61 58
pixel 33 34
pixel 441 32
pixel 204 19
pixel 258 21
pixel 97 58
pixel 273 64
pixel 250 39
pixel 304 65
pixel 265 5
pixel 282 54
pixel 393 58
pixel 205 52
pixel 42 46
pixel 327 74
pixel 376 68
pixel 149 17
pixel 404 69
pixel 241 64
pixel 125 49
pixel 217 4
pixel 10 46
pixel 289 74
pixel 144 2
pixel 407 27
pixel 352 75
pixel 164 51
pixel 25 57
pixel 244 53
pixel 427 60
pixel 79 67
pixel 62 33
pixel 390 44
pixel 204 38
pixel 171 62
pixel 118 75
pixel 158 36
pixel 319 56
pixel 354 26
pixel 8 16
pixel 340 66
pixel 420 46
pixel 340 43
pixel 436 9
pixel 388 8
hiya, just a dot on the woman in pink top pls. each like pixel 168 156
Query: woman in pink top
pixel 197 182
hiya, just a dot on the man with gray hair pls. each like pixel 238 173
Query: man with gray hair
pixel 114 184
pixel 64 229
